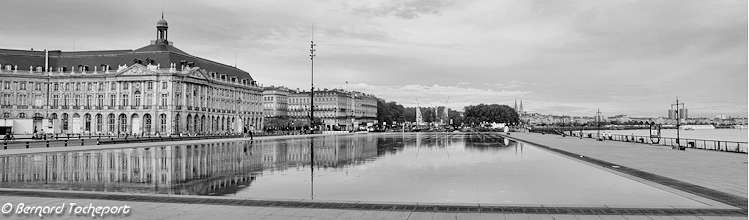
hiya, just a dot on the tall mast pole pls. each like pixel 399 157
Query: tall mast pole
pixel 312 113
pixel 312 80
pixel 678 106
pixel 598 123
pixel 678 120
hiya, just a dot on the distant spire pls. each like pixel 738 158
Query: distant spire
pixel 521 106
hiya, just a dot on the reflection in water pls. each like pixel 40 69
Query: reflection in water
pixel 395 167
pixel 312 168
pixel 198 169
pixel 203 169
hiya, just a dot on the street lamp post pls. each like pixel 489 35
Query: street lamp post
pixel 678 118
pixel 598 124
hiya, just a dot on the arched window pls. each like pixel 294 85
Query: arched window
pixel 110 122
pixel 189 122
pixel 98 122
pixel 162 119
pixel 87 122
pixel 147 123
pixel 176 123
pixel 64 121
pixel 123 123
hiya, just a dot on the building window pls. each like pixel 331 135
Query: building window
pixel 147 123
pixel 55 99
pixel 56 86
pixel 38 100
pixel 98 122
pixel 87 122
pixel 137 98
pixel 77 87
pixel 100 100
pixel 64 121
pixel 21 115
pixel 23 86
pixel 88 100
pixel 176 123
pixel 125 85
pixel 123 123
pixel 163 85
pixel 77 100
pixel 162 118
pixel 112 86
pixel 112 99
pixel 150 85
pixel 65 100
pixel 110 122
pixel 7 85
pixel 6 114
pixel 125 100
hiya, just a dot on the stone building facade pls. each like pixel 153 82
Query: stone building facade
pixel 275 102
pixel 335 108
pixel 156 89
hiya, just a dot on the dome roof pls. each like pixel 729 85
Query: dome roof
pixel 162 23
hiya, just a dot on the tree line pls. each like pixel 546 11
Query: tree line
pixel 472 115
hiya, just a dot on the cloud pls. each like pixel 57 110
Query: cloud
pixel 627 56
pixel 455 97
pixel 406 9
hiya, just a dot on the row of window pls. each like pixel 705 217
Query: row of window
pixel 124 100
pixel 77 86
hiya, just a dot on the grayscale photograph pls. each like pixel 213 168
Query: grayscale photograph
pixel 374 109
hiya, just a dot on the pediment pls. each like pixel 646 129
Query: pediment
pixel 135 70
pixel 197 73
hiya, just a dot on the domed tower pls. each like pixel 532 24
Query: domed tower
pixel 161 30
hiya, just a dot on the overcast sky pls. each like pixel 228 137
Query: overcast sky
pixel 558 56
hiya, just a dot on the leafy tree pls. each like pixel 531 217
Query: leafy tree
pixel 455 117
pixel 476 114
pixel 389 112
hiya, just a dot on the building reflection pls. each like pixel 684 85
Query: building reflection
pixel 483 142
pixel 197 169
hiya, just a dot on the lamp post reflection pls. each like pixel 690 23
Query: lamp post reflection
pixel 312 168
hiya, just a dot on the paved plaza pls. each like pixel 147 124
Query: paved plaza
pixel 150 210
pixel 722 171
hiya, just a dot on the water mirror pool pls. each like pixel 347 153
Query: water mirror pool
pixel 394 167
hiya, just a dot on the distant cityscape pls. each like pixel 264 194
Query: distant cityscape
pixel 669 118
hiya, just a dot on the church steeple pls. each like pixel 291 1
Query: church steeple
pixel 521 107
pixel 161 30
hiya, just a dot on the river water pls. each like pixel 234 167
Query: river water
pixel 739 135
